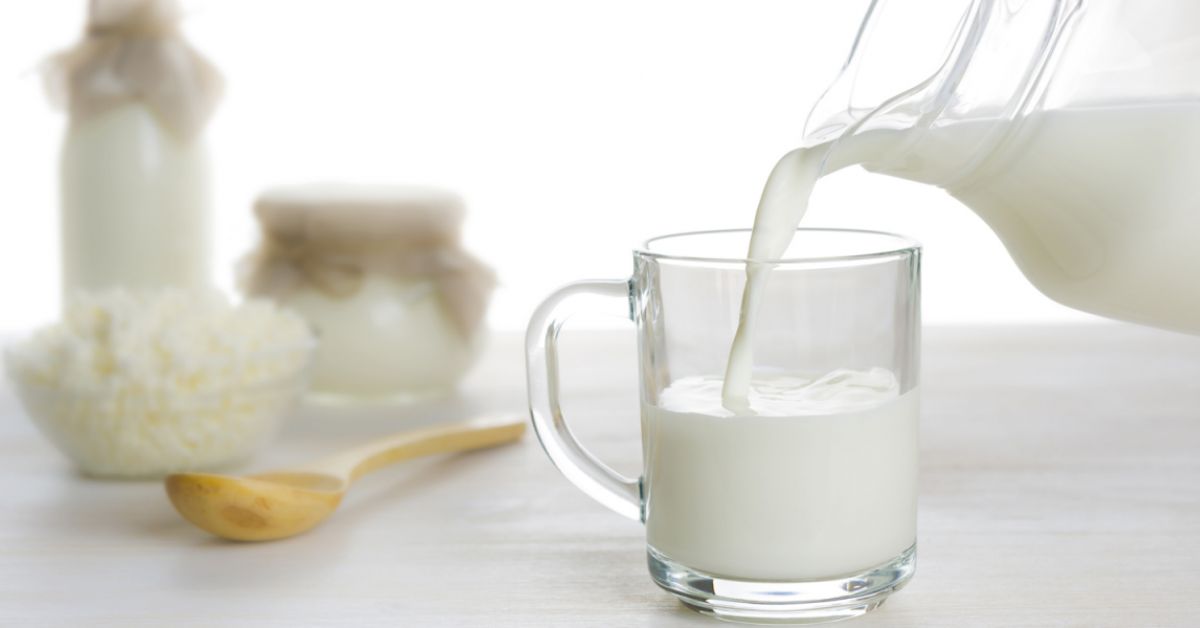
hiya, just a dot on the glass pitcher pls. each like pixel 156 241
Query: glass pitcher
pixel 1072 127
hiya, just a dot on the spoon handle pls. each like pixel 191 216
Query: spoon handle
pixel 473 434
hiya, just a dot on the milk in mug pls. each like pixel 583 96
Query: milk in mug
pixel 819 481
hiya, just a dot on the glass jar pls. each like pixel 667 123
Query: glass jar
pixel 381 275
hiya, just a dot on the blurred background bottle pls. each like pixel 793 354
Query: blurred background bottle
pixel 135 173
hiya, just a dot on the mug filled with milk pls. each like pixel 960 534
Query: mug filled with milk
pixel 779 432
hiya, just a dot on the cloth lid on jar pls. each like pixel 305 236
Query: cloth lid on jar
pixel 352 215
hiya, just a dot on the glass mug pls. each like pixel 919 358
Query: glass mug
pixel 802 507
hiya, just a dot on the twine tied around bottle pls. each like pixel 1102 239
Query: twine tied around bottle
pixel 133 51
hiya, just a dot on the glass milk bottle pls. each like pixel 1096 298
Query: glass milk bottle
pixel 1071 127
pixel 134 170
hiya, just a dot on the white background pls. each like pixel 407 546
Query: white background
pixel 573 129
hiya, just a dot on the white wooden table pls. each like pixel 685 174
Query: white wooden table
pixel 1060 487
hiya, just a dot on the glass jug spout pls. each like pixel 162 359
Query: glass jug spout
pixel 917 65
pixel 1071 127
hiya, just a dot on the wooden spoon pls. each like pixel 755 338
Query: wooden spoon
pixel 279 504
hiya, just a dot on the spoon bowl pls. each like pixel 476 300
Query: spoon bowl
pixel 255 508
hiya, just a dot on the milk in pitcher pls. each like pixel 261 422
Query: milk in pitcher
pixel 1094 217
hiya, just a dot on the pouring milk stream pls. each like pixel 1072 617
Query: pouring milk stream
pixel 1071 128
pixel 1093 212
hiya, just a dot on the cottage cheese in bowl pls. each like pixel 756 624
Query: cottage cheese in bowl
pixel 144 384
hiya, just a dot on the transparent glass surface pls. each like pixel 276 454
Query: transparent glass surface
pixel 837 299
pixel 1071 127
pixel 802 505
pixel 1000 60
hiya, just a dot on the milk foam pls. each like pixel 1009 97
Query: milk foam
pixel 842 390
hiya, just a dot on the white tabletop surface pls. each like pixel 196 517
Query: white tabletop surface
pixel 1060 486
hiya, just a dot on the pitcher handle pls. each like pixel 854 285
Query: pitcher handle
pixel 593 477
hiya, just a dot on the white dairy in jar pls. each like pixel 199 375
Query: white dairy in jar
pixel 380 274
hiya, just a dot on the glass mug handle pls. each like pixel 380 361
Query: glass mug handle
pixel 598 480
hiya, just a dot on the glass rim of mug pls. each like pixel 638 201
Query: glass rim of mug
pixel 901 246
